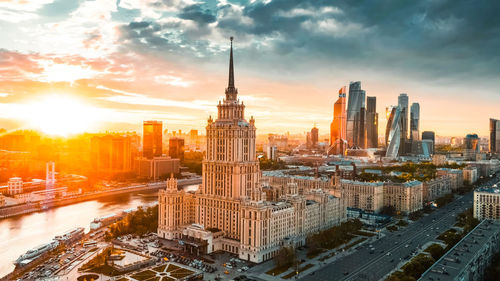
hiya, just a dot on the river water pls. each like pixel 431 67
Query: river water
pixel 21 233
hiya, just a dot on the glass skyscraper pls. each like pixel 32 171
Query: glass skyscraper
pixel 403 106
pixel 355 123
pixel 414 121
pixel 371 122
pixel 393 132
pixel 494 135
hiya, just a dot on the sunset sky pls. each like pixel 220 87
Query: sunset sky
pixel 109 65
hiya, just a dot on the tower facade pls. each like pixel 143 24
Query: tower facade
pixel 415 122
pixel 355 123
pixel 403 106
pixel 371 122
pixel 494 136
pixel 393 132
pixel 338 132
pixel 152 139
pixel 230 168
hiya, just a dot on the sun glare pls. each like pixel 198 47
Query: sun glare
pixel 61 115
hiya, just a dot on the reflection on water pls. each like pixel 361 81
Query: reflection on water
pixel 19 234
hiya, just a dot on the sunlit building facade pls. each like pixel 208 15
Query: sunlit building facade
pixel 152 139
pixel 338 129
pixel 487 203
pixel 405 197
pixel 110 154
pixel 230 211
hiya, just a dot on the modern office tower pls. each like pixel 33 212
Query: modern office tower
pixel 494 135
pixel 110 154
pixel 314 136
pixel 338 125
pixel 371 122
pixel 393 132
pixel 360 140
pixel 176 148
pixel 403 105
pixel 472 146
pixel 415 122
pixel 430 135
pixel 354 104
pixel 152 139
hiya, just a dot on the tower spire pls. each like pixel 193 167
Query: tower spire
pixel 231 68
pixel 231 91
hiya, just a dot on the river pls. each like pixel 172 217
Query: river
pixel 21 233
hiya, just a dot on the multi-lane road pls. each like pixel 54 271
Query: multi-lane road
pixel 394 248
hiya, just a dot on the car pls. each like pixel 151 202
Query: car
pixel 392 260
pixel 346 272
pixel 388 254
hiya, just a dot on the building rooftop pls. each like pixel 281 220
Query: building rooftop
pixel 489 190
pixel 455 261
pixel 377 183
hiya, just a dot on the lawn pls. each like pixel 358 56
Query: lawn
pixel 144 275
pixel 277 270
pixel 301 269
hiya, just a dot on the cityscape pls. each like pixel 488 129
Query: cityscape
pixel 259 140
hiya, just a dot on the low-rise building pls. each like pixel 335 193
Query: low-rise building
pixel 456 175
pixel 487 203
pixel 470 175
pixel 469 258
pixel 2 200
pixel 436 188
pixel 156 167
pixel 405 197
pixel 438 159
pixel 15 186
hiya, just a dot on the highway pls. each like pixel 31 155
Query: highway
pixel 396 247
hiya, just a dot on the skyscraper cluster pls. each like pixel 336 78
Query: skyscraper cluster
pixel 403 134
pixel 356 126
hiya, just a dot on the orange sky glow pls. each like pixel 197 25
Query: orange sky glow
pixel 87 70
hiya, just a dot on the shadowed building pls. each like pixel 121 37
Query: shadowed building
pixel 415 122
pixel 371 122
pixel 494 135
pixel 430 135
pixel 176 148
pixel 403 106
pixel 111 154
pixel 355 122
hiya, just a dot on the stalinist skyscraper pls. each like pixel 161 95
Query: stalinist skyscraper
pixel 234 210
pixel 230 168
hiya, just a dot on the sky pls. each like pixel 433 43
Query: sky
pixel 68 66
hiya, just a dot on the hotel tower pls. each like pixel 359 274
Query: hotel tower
pixel 234 210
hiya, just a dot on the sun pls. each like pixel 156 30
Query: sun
pixel 59 114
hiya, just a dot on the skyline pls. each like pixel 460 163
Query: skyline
pixel 167 62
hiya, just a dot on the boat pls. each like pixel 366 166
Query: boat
pixel 36 252
pixel 71 236
pixel 103 221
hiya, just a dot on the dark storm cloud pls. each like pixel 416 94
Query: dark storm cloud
pixel 198 14
pixel 430 38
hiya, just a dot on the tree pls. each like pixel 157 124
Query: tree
pixel 286 257
pixel 435 250
pixel 388 210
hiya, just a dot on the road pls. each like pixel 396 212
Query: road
pixel 394 247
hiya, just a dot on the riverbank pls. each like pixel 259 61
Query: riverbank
pixel 26 208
